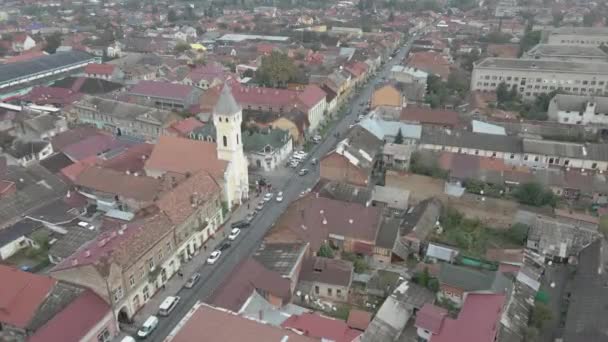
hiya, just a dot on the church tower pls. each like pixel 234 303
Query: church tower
pixel 227 118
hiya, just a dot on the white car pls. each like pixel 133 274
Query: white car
pixel 215 255
pixel 234 233
pixel 268 196
pixel 280 197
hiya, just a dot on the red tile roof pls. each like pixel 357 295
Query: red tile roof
pixel 312 219
pixel 75 321
pixel 206 323
pixel 176 203
pixel 99 69
pixel 21 295
pixel 161 89
pixel 311 96
pixel 248 276
pixel 181 155
pixel 477 320
pixel 132 159
pixel 72 172
pixel 430 116
pixel 63 139
pixel 359 319
pixel 52 95
pixel 431 317
pixel 430 61
pixel 92 146
pixel 186 126
pixel 322 327
pixel 261 96
pixel 140 188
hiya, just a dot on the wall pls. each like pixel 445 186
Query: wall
pixel 106 323
pixel 337 168
pixel 13 247
pixel 324 288
pixel 86 276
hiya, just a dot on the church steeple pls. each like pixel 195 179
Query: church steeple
pixel 226 104
pixel 227 120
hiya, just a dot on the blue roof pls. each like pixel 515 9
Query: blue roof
pixel 487 128
pixel 18 70
pixel 382 128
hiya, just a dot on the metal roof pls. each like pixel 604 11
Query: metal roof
pixel 13 71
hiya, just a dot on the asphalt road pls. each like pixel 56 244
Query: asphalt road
pixel 213 275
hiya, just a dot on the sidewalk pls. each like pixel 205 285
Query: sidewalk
pixel 174 284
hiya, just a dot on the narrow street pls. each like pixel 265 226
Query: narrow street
pixel 213 275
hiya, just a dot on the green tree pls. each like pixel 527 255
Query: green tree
pixel 53 41
pixel 181 47
pixel 531 334
pixel 540 314
pixel 325 251
pixel 530 39
pixel 399 137
pixel 433 284
pixel 502 93
pixel 422 278
pixel 276 70
pixel 518 233
pixel 172 16
pixel 534 194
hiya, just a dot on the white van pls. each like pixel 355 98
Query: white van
pixel 128 339
pixel 168 305
pixel 149 325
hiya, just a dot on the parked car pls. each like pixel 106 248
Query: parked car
pixel 303 172
pixel 317 139
pixel 213 257
pixel 280 197
pixel 314 161
pixel 268 196
pixel 260 205
pixel 250 217
pixel 234 233
pixel 239 224
pixel 149 325
pixel 224 246
pixel 192 281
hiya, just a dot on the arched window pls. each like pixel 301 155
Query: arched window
pixel 225 141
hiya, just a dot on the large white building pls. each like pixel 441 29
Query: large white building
pixel 572 53
pixel 532 77
pixel 579 110
pixel 582 36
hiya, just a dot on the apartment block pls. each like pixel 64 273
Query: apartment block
pixel 533 77
pixel 572 53
pixel 579 110
pixel 582 36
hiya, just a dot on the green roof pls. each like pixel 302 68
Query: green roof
pixel 257 141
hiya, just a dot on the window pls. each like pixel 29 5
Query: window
pixel 329 292
pixel 131 280
pixel 493 154
pixel 118 293
pixel 104 336
pixel 316 289
pixel 146 293
pixel 339 292
pixel 594 166
pixel 526 157
pixel 535 159
pixel 168 246
pixel 225 141
pixel 476 152
pixel 150 263
pixel 512 156
pixel 550 160
pixel 567 162
pixel 160 255
pixel 237 139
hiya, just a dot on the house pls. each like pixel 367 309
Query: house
pixel 17 237
pixel 22 42
pixel 388 96
pixel 321 327
pixel 284 258
pixel 579 110
pixel 326 278
pixel 354 159
pixel 109 72
pixel 429 321
pixel 41 127
pixel 248 278
pixel 558 240
pixel 386 238
pixel 397 156
pixel 114 190
pixel 409 75
pixel 295 121
pixel 124 118
pixel 164 95
pixel 435 63
pixel 184 128
pixel 267 148
pixel 427 116
pixel 349 227
pixel 205 77
pixel 394 314
pixel 419 223
pixel 206 322
pixel 387 131
pixel 477 320
pixel 40 308
pixel 28 152
pixel 225 160
pixel 458 282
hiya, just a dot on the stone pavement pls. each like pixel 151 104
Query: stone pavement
pixel 175 284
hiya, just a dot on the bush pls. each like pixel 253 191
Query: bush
pixel 540 314
pixel 535 195
pixel 325 251
pixel 518 233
